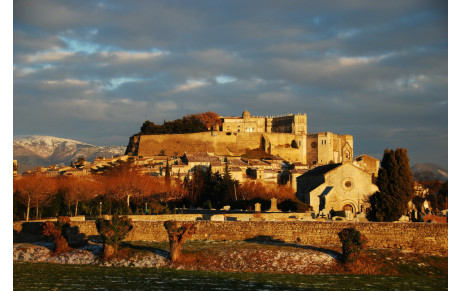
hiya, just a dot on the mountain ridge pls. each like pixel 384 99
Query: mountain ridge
pixel 41 151
pixel 429 171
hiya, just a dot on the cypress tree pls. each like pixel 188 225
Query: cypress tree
pixel 167 174
pixel 396 187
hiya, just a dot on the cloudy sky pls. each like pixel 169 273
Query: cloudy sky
pixel 94 71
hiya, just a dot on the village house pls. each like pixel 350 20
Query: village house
pixel 368 164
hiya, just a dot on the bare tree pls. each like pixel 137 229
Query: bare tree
pixel 35 190
pixel 79 189
pixel 126 183
pixel 165 191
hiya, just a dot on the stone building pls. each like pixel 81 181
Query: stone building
pixel 285 137
pixel 290 123
pixel 327 147
pixel 315 149
pixel 342 187
pixel 368 164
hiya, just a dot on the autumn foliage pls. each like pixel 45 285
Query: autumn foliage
pixel 209 119
pixel 35 191
pixel 56 231
pixel 268 190
pixel 79 189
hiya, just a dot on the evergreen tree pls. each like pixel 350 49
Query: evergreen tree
pixel 167 172
pixel 227 172
pixel 396 187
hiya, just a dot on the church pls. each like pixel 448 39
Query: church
pixel 338 187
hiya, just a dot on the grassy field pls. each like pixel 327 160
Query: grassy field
pixel 43 276
pixel 244 266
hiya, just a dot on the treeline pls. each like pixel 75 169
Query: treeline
pixel 124 191
pixel 191 123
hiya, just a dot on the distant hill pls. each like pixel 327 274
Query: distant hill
pixel 41 151
pixel 429 171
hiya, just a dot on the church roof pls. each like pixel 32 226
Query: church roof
pixel 321 170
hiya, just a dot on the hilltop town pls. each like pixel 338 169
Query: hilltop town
pixel 272 149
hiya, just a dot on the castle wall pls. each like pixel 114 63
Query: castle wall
pixel 419 237
pixel 280 145
pixel 219 143
pixel 222 143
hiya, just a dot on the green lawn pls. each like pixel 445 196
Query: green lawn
pixel 44 276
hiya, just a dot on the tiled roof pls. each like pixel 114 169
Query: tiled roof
pixel 237 163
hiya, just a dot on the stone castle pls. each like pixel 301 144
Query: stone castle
pixel 284 136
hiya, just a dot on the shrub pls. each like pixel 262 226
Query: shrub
pixel 353 242
pixel 294 205
pixel 158 208
pixel 113 232
pixel 56 231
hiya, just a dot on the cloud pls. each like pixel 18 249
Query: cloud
pixel 47 57
pixel 100 68
pixel 223 79
pixel 276 97
pixel 117 82
pixel 67 82
pixel 131 56
pixel 189 85
pixel 166 105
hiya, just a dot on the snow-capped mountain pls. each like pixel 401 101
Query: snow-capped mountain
pixel 428 171
pixel 36 150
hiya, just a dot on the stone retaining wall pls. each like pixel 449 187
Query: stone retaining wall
pixel 221 216
pixel 419 237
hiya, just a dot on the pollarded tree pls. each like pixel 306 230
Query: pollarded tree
pixel 177 237
pixel 113 232
pixel 35 190
pixel 396 187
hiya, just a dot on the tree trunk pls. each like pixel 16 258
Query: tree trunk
pixel 177 237
pixel 175 248
pixel 108 251
pixel 36 214
pixel 28 209
pixel 127 200
pixel 76 208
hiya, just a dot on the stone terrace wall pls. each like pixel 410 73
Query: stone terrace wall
pixel 224 215
pixel 218 143
pixel 419 237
